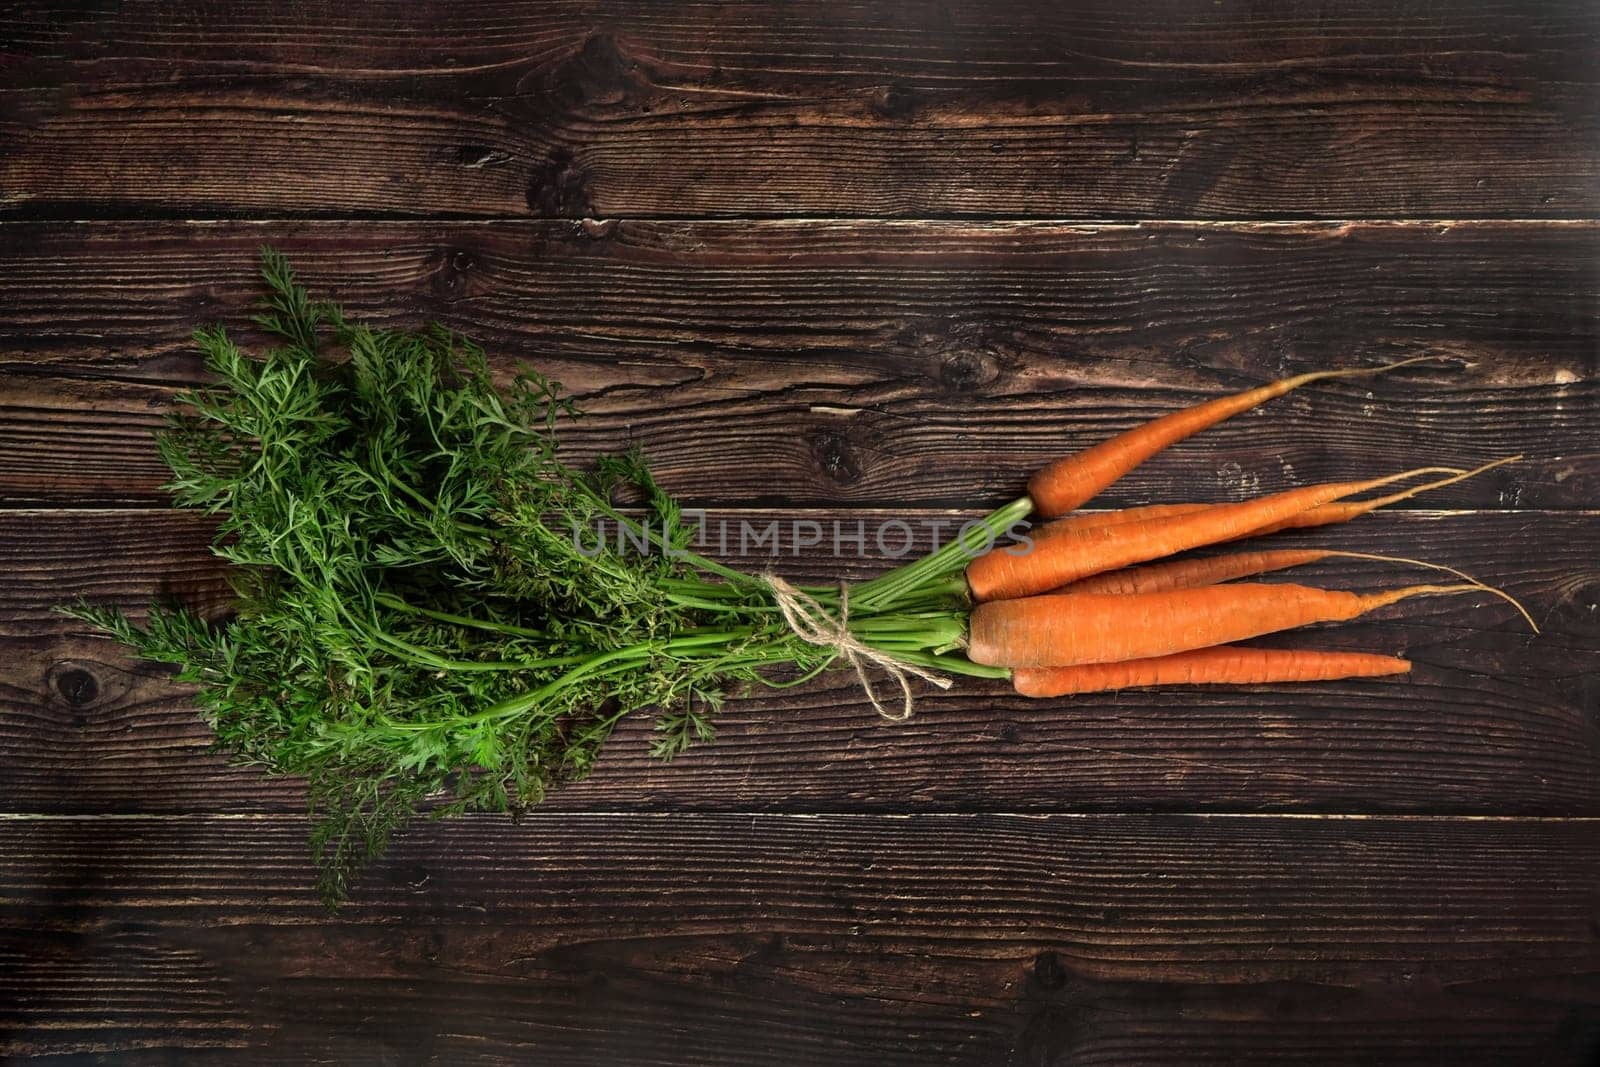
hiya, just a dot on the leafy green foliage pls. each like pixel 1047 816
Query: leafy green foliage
pixel 408 579
pixel 424 615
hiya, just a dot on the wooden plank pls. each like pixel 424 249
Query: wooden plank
pixel 754 939
pixel 844 108
pixel 868 363
pixel 1492 720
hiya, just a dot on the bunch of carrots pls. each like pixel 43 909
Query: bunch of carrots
pixel 1087 607
pixel 415 619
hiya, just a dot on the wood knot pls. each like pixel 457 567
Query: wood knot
pixel 75 685
pixel 966 370
pixel 450 279
pixel 1577 611
pixel 835 458
pixel 597 75
pixel 895 102
pixel 477 156
pixel 1048 971
pixel 559 187
pixel 768 954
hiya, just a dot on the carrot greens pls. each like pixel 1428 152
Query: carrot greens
pixel 421 605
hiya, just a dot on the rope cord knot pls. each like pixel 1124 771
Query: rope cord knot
pixel 810 622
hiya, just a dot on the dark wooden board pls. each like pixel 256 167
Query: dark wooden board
pixel 868 363
pixel 1493 720
pixel 838 260
pixel 751 939
pixel 1171 109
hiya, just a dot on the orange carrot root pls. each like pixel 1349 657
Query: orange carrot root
pixel 1324 514
pixel 1193 573
pixel 1071 481
pixel 1321 515
pixel 1345 510
pixel 1069 629
pixel 1054 561
pixel 1095 519
pixel 1220 665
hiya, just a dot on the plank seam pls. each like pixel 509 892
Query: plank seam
pixel 996 221
pixel 718 813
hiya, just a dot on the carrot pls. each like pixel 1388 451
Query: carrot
pixel 1220 665
pixel 1193 573
pixel 1056 560
pixel 1068 482
pixel 1093 519
pixel 1345 510
pixel 1321 515
pixel 1068 629
pixel 1210 570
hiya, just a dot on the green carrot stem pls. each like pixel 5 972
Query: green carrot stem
pixel 895 585
pixel 389 600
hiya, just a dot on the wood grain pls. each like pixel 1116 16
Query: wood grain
pixel 868 363
pixel 820 261
pixel 754 939
pixel 847 108
pixel 1493 720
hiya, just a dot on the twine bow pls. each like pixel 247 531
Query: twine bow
pixel 811 623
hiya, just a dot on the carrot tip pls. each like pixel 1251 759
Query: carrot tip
pixel 1475 583
pixel 1354 372
pixel 1472 585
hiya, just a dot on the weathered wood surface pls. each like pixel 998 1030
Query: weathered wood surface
pixel 1383 872
pixel 751 939
pixel 868 363
pixel 1172 109
pixel 1493 719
